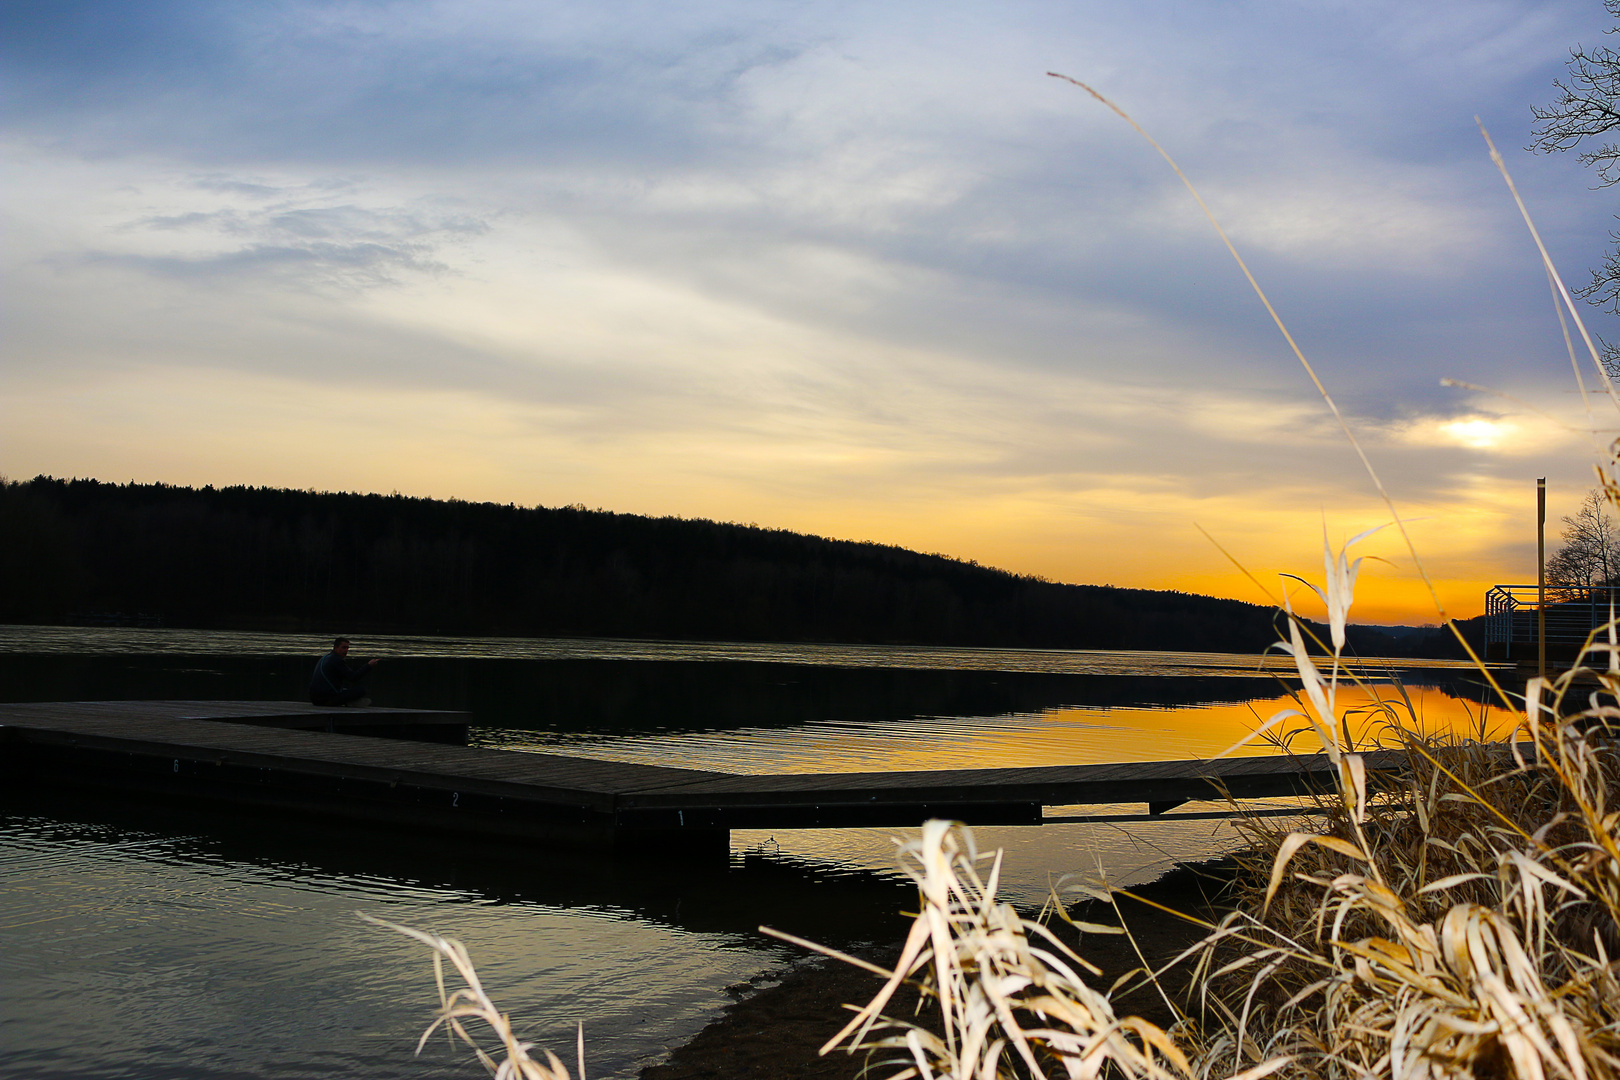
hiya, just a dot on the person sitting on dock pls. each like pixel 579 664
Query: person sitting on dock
pixel 335 681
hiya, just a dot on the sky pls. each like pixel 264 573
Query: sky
pixel 861 270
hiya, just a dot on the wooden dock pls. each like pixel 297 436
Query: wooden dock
pixel 297 757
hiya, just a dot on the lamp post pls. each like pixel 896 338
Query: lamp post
pixel 1541 577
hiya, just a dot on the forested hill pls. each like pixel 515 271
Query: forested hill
pixel 267 558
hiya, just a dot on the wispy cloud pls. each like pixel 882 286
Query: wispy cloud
pixel 292 243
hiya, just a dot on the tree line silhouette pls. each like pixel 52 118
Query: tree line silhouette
pixel 280 559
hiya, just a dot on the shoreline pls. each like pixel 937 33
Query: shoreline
pixel 776 1031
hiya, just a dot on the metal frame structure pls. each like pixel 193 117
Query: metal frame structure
pixel 1572 613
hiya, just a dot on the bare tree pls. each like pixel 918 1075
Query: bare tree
pixel 1589 109
pixel 1591 553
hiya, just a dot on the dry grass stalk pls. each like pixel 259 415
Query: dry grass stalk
pixel 1010 997
pixel 470 1002
pixel 1457 923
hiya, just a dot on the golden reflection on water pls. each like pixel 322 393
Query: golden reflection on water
pixel 1036 858
pixel 1066 735
pixel 1163 734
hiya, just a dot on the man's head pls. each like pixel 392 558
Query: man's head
pixel 341 646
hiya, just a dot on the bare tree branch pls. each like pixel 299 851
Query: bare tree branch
pixel 1590 556
pixel 1589 107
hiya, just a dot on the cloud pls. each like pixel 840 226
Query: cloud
pixel 310 237
pixel 311 265
pixel 859 261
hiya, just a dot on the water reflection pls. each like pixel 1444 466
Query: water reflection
pixel 138 941
pixel 1063 735
pixel 124 641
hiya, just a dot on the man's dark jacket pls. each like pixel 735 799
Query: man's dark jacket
pixel 333 675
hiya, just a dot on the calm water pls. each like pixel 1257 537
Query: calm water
pixel 137 941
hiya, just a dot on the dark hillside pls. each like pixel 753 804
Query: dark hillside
pixel 278 559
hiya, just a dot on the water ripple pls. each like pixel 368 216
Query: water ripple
pixel 104 640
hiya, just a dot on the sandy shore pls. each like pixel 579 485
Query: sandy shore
pixel 776 1031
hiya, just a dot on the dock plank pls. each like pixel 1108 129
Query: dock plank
pixel 536 775
pixel 1239 774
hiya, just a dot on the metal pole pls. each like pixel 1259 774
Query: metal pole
pixel 1541 577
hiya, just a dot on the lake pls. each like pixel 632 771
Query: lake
pixel 160 941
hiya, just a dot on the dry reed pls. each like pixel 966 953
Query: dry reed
pixel 469 1002
pixel 1008 992
pixel 1459 922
